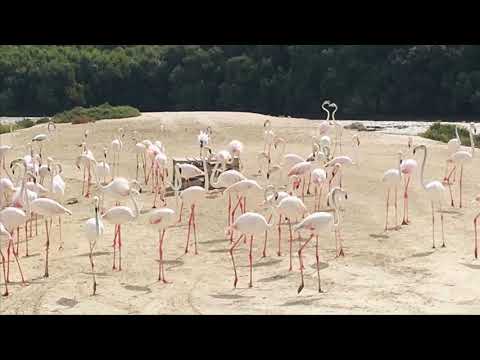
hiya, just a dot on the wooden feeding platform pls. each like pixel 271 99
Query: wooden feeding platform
pixel 200 180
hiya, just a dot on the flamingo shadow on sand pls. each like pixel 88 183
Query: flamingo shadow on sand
pixel 69 303
pixel 379 236
pixel 423 254
pixel 471 266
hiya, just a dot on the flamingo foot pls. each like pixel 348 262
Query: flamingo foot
pixel 166 282
pixel 279 253
pixel 404 222
pixel 250 285
pixel 300 288
pixel 235 282
pixel 5 293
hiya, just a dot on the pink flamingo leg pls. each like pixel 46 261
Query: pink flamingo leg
pixel 47 248
pixel 4 274
pixel 386 217
pixel 460 184
pixel 279 253
pixel 318 265
pixel 264 253
pixel 291 241
pixel 119 247
pixel 476 239
pixel 300 288
pixel 194 221
pixel 250 260
pixel 115 246
pixel 229 208
pixel 188 234
pixel 405 202
pixel 233 260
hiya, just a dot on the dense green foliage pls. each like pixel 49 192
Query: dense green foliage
pixel 104 111
pixel 366 80
pixel 446 132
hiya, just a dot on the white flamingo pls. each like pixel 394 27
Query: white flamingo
pixel 346 160
pixel 102 169
pixel 117 146
pixel 94 230
pixel 247 224
pixel 324 126
pixel 434 191
pixel 392 179
pixel 161 219
pixel 140 149
pixel 338 129
pixel 460 158
pixel 235 148
pixel 453 146
pixel 408 167
pixel 120 215
pixel 48 208
pixel 317 224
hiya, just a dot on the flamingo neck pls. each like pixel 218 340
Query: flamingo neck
pixel 135 206
pixel 422 170
pixel 214 183
pixel 336 220
pixel 472 143
pixel 456 133
pixel 328 112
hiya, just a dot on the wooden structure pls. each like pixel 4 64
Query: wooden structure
pixel 200 180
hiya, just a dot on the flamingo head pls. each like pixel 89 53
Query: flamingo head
pixel 410 142
pixel 326 102
pixel 202 138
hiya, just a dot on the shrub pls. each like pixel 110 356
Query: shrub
pixel 446 132
pixel 43 120
pixel 82 120
pixel 104 111
pixel 25 123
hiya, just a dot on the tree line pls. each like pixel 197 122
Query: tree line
pixel 293 80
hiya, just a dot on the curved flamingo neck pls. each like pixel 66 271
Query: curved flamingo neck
pixel 472 142
pixel 456 134
pixel 422 170
pixel 328 112
pixel 135 205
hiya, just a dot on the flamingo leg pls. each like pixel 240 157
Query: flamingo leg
pixel 279 253
pixel 188 233
pixel 264 253
pixel 433 226
pixel 318 265
pixel 291 242
pixel 476 238
pixel 235 244
pixel 119 247
pixel 115 246
pixel 396 217
pixel 46 248
pixel 4 274
pixel 309 182
pixel 443 233
pixel 93 270
pixel 180 213
pixel 460 184
pixel 405 202
pixel 160 237
pixel 60 231
pixel 229 208
pixel 36 224
pixel 450 186
pixel 194 221
pixel 18 264
pixel 250 260
pixel 386 216
pixel 8 261
pixel 300 288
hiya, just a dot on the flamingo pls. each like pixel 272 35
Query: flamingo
pixel 460 158
pixel 102 169
pixel 320 223
pixel 434 191
pixel 303 169
pixel 453 146
pixel 191 197
pixel 272 200
pixel 160 174
pixel 120 215
pixel 338 129
pixel 202 140
pixel 118 189
pixel 319 179
pixel 408 167
pixel 235 148
pixel 44 170
pixel 94 230
pixel 40 138
pixel 225 180
pixel 4 150
pixel 346 160
pixel 161 219
pixel 268 137
pixel 87 161
pixel 57 191
pixel 4 231
pixel 242 188
pixel 324 126
pixel 392 178
pixel 247 224
pixel 117 146
pixel 48 208
pixel 289 207
pixel 140 149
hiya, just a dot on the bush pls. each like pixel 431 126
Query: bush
pixel 82 120
pixel 43 120
pixel 4 128
pixel 446 132
pixel 104 111
pixel 24 124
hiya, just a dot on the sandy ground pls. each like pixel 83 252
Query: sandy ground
pixel 394 272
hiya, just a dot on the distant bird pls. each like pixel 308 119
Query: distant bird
pixel 434 191
pixel 161 219
pixel 87 161
pixel 338 129
pixel 117 146
pixel 317 224
pixel 121 215
pixel 408 168
pixel 319 180
pixel 324 126
pixel 102 169
pixel 248 224
pixel 140 149
pixel 346 160
pixel 453 146
pixel 40 138
pixel 235 148
pixel 94 230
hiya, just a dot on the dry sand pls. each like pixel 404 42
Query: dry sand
pixel 382 273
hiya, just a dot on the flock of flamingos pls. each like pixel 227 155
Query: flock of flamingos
pixel 33 187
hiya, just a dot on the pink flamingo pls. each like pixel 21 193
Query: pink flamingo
pixel 453 146
pixel 161 219
pixel 408 168
pixel 319 180
pixel 94 230
pixel 120 215
pixel 247 224
pixel 320 223
pixel 346 160
pixel 392 178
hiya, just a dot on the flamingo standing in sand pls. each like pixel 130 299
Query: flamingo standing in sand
pixel 247 224
pixel 140 149
pixel 434 191
pixel 319 180
pixel 453 146
pixel 392 178
pixel 120 215
pixel 235 148
pixel 40 138
pixel 460 158
pixel 94 230
pixel 290 207
pixel 338 129
pixel 102 169
pixel 48 208
pixel 320 223
pixel 324 126
pixel 87 161
pixel 117 146
pixel 118 189
pixel 160 173
pixel 408 168
pixel 161 219
pixel 346 160
pixel 4 231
